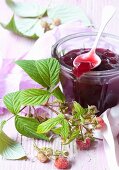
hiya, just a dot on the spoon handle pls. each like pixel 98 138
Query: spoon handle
pixel 107 14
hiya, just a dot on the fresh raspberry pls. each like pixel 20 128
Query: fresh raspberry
pixel 57 22
pixel 61 163
pixel 101 123
pixel 42 157
pixel 83 145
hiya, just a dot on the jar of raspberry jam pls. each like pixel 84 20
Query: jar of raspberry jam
pixel 100 86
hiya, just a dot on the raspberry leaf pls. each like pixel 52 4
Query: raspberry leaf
pixel 27 27
pixel 9 148
pixel 50 124
pixel 64 129
pixel 12 102
pixel 45 72
pixel 57 130
pixel 28 126
pixel 34 97
pixel 25 9
pixel 73 136
pixel 78 110
pixel 58 94
pixel 68 13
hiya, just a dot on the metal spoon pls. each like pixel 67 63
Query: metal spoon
pixel 91 56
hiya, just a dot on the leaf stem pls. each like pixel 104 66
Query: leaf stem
pixel 36 147
pixel 89 124
pixel 29 110
pixel 98 139
pixel 81 132
pixel 14 115
pixel 51 109
pixel 22 108
pixel 86 128
pixel 53 105
pixel 35 113
pixel 10 118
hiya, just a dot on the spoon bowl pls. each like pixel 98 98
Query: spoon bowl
pixel 91 57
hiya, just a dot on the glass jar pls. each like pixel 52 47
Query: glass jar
pixel 99 88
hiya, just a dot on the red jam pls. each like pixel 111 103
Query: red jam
pixel 101 91
pixel 82 68
pixel 109 60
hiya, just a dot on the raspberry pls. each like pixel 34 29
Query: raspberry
pixel 45 25
pixel 42 157
pixel 83 145
pixel 61 163
pixel 101 123
pixel 57 22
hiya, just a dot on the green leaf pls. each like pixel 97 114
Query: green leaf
pixel 57 130
pixel 25 9
pixel 12 102
pixel 26 27
pixel 79 110
pixel 28 126
pixel 92 110
pixel 58 94
pixel 34 97
pixel 73 136
pixel 49 124
pixel 45 72
pixel 68 13
pixel 2 124
pixel 65 129
pixel 9 148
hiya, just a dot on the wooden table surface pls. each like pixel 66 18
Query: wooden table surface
pixel 14 47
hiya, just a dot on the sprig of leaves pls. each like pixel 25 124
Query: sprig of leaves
pixel 28 17
pixel 80 123
pixel 46 73
pixel 51 123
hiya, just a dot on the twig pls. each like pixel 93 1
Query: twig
pixel 52 109
pixel 53 105
pixel 98 139
pixel 10 118
pixel 89 124
pixel 35 113
pixel 14 115
pixel 86 128
pixel 22 108
pixel 81 132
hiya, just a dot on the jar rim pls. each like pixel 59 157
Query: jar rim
pixel 84 34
